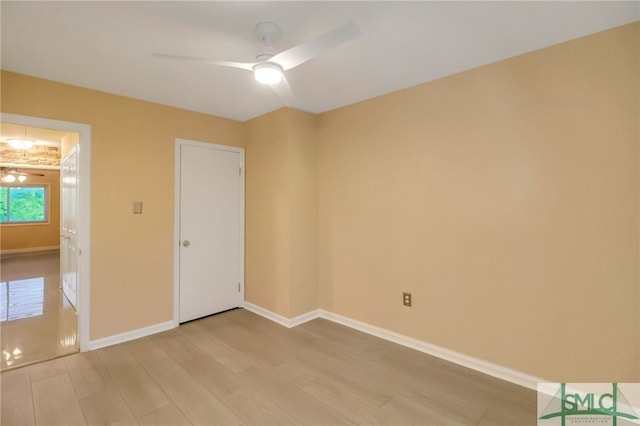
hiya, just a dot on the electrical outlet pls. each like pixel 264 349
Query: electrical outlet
pixel 406 299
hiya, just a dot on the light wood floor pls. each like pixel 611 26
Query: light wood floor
pixel 239 368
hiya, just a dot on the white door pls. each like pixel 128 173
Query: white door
pixel 69 226
pixel 211 229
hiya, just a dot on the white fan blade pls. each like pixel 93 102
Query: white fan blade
pixel 303 52
pixel 284 91
pixel 242 65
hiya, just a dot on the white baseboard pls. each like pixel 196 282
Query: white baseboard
pixel 130 335
pixel 284 321
pixel 28 250
pixel 473 363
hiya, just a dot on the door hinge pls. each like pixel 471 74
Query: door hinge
pixel 240 171
pixel 238 287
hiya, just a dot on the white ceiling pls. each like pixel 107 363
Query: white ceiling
pixel 107 45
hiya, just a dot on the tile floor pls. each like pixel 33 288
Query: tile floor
pixel 239 368
pixel 36 321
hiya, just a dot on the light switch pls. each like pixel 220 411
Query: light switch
pixel 137 207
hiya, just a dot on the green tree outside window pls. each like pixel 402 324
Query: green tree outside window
pixel 20 204
pixel 3 204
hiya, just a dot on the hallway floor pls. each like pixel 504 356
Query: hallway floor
pixel 37 322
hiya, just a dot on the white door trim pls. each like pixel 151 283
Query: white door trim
pixel 176 217
pixel 84 209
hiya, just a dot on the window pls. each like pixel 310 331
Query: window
pixel 23 204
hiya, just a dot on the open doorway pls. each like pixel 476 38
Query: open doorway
pixel 39 321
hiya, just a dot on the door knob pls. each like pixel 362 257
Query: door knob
pixel 186 243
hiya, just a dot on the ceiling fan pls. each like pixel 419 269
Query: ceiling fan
pixel 9 175
pixel 269 66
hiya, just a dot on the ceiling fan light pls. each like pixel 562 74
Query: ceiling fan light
pixel 8 178
pixel 267 73
pixel 22 178
pixel 17 143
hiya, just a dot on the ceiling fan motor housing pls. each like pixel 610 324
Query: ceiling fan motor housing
pixel 265 53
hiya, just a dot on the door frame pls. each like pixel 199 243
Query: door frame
pixel 179 143
pixel 84 209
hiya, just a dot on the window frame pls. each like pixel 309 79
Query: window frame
pixel 47 207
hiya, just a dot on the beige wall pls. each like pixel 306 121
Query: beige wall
pixel 267 251
pixel 132 159
pixel 506 200
pixel 281 245
pixel 18 238
pixel 304 212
